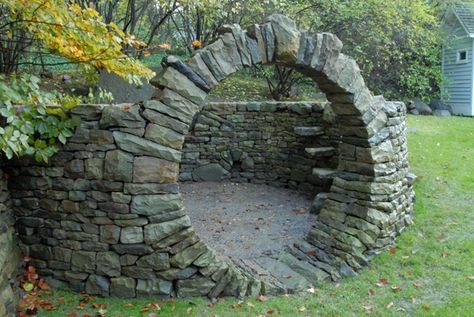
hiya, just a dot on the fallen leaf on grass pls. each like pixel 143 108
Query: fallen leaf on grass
pixel 444 254
pixel 392 250
pixel 236 306
pixel 270 312
pixel 250 305
pixel 471 278
pixel 417 285
pixel 368 308
pixel 189 310
pixel 382 282
pixel 302 309
pixel 261 298
pixel 129 305
pixel 153 315
pixel 371 292
pixel 390 305
pixel 426 306
pixel 396 289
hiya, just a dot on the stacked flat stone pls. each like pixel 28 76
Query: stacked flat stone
pixel 256 142
pixel 9 252
pixel 106 216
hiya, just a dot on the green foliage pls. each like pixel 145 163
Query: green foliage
pixel 32 120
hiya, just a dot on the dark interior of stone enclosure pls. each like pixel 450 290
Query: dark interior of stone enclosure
pixel 252 169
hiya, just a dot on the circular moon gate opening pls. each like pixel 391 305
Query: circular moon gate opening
pixel 106 217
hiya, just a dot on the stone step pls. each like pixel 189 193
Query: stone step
pixel 324 173
pixel 308 131
pixel 291 280
pixel 313 274
pixel 270 285
pixel 320 151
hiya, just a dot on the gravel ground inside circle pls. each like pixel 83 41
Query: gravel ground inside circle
pixel 243 220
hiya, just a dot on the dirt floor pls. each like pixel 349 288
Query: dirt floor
pixel 244 220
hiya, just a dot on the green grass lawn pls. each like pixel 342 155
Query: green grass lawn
pixel 430 274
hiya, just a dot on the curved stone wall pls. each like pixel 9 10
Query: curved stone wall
pixel 106 215
pixel 260 142
pixel 9 252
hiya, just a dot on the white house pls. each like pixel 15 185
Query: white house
pixel 457 60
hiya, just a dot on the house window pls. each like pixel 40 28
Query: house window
pixel 461 56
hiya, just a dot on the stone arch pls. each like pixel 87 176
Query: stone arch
pixel 157 251
pixel 370 200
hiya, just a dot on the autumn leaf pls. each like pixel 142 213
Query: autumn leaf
pixel 189 310
pixel 28 286
pixel 471 278
pixel 417 285
pixel 392 250
pixel 302 309
pixel 152 315
pixel 390 305
pixel 382 282
pixel 396 289
pixel 368 308
pixel 261 298
pixel 371 292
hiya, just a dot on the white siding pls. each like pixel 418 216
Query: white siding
pixel 457 90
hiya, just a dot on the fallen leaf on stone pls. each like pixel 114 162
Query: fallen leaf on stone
pixel 390 305
pixel 261 298
pixel 311 253
pixel 302 309
pixel 311 290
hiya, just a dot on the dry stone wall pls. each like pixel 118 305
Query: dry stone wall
pixel 9 252
pixel 260 142
pixel 106 216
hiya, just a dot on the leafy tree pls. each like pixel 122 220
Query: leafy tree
pixel 33 120
pixel 396 43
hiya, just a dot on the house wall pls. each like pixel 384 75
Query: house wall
pixel 457 89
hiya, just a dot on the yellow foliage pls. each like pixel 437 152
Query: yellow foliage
pixel 80 35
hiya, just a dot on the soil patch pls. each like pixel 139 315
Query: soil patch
pixel 244 221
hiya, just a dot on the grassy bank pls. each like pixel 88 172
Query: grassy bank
pixel 430 273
